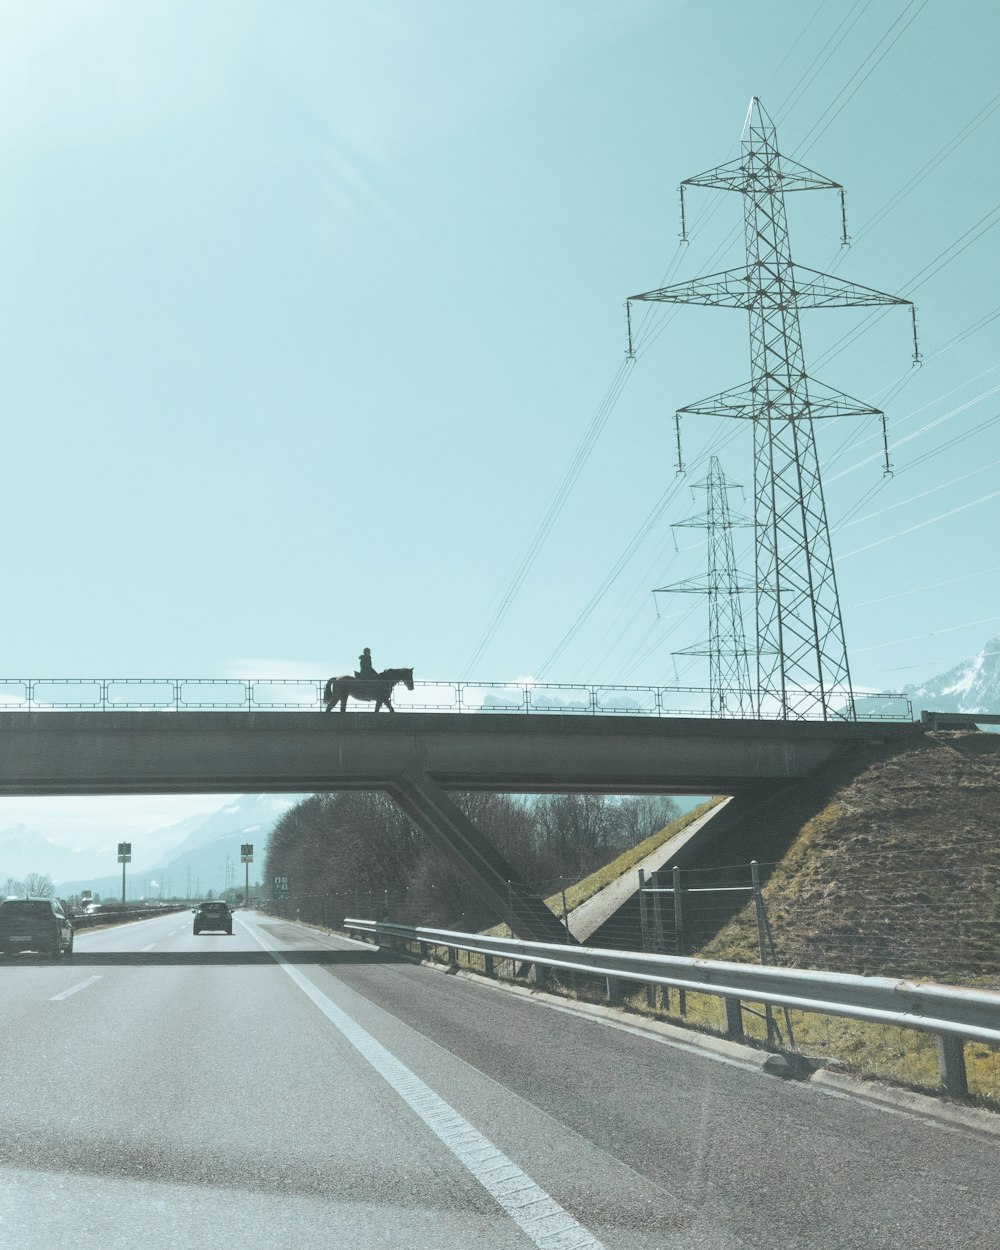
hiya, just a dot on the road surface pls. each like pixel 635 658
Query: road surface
pixel 286 1090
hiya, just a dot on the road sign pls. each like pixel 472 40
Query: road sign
pixel 279 887
pixel 246 853
pixel 124 852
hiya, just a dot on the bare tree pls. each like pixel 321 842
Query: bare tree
pixel 11 886
pixel 640 816
pixel 39 885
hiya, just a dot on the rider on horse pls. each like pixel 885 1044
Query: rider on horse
pixel 366 668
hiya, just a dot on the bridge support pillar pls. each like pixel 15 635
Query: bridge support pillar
pixel 451 831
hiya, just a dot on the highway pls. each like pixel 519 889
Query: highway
pixel 287 1090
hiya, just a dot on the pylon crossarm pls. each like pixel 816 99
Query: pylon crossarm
pixel 825 291
pixel 742 402
pixel 788 176
pixel 719 290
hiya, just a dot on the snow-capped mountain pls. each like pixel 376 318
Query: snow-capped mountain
pixel 971 686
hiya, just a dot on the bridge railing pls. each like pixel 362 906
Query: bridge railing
pixel 233 694
pixel 953 1013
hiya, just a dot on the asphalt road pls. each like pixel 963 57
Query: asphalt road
pixel 284 1090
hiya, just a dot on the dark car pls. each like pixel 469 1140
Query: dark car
pixel 35 924
pixel 215 915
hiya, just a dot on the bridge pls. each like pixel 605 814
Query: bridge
pixel 417 758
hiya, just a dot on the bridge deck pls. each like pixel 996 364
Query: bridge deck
pixel 50 753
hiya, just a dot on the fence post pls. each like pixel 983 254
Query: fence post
pixel 951 1056
pixel 679 932
pixel 643 918
pixel 758 902
pixel 565 909
pixel 644 930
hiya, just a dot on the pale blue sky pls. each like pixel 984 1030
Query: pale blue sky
pixel 306 308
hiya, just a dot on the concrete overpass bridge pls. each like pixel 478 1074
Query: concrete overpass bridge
pixel 417 758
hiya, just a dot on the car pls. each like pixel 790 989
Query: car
pixel 35 924
pixel 213 915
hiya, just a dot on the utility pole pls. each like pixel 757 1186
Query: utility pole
pixel 730 691
pixel 802 667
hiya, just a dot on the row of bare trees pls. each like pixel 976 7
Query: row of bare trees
pixel 32 885
pixel 360 850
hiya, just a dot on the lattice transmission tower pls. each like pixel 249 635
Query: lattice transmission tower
pixel 730 688
pixel 802 666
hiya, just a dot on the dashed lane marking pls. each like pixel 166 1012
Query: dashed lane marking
pixel 74 989
pixel 534 1211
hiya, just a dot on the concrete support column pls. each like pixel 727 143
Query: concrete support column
pixel 451 831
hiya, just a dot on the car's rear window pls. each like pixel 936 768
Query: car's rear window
pixel 25 907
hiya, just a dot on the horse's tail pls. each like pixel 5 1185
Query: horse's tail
pixel 328 690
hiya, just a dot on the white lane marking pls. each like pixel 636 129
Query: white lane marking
pixel 529 1206
pixel 74 989
pixel 147 948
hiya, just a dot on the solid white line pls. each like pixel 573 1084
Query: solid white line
pixel 74 989
pixel 529 1206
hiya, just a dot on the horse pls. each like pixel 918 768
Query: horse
pixel 371 689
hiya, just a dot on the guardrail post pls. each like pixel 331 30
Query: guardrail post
pixel 951 1056
pixel 615 991
pixel 452 959
pixel 488 965
pixel 423 950
pixel 734 1018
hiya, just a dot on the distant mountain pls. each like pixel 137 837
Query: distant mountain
pixel 200 855
pixel 204 854
pixel 22 850
pixel 971 686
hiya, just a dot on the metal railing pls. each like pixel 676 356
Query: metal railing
pixel 273 694
pixel 951 1012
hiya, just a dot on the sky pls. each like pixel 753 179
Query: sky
pixel 312 332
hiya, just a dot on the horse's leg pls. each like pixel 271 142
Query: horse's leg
pixel 343 702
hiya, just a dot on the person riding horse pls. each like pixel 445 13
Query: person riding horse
pixel 365 670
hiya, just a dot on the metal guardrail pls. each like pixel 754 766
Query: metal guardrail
pixel 951 1012
pixel 273 694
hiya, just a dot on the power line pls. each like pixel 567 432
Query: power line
pixel 943 516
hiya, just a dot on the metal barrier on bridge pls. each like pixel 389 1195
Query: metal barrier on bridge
pixel 278 694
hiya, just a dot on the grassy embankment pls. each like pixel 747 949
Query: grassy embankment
pixel 895 873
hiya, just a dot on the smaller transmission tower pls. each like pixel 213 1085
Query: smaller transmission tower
pixel 731 692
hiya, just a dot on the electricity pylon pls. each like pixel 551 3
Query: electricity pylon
pixel 802 667
pixel 730 690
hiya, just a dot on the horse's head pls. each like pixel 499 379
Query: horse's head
pixel 407 678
